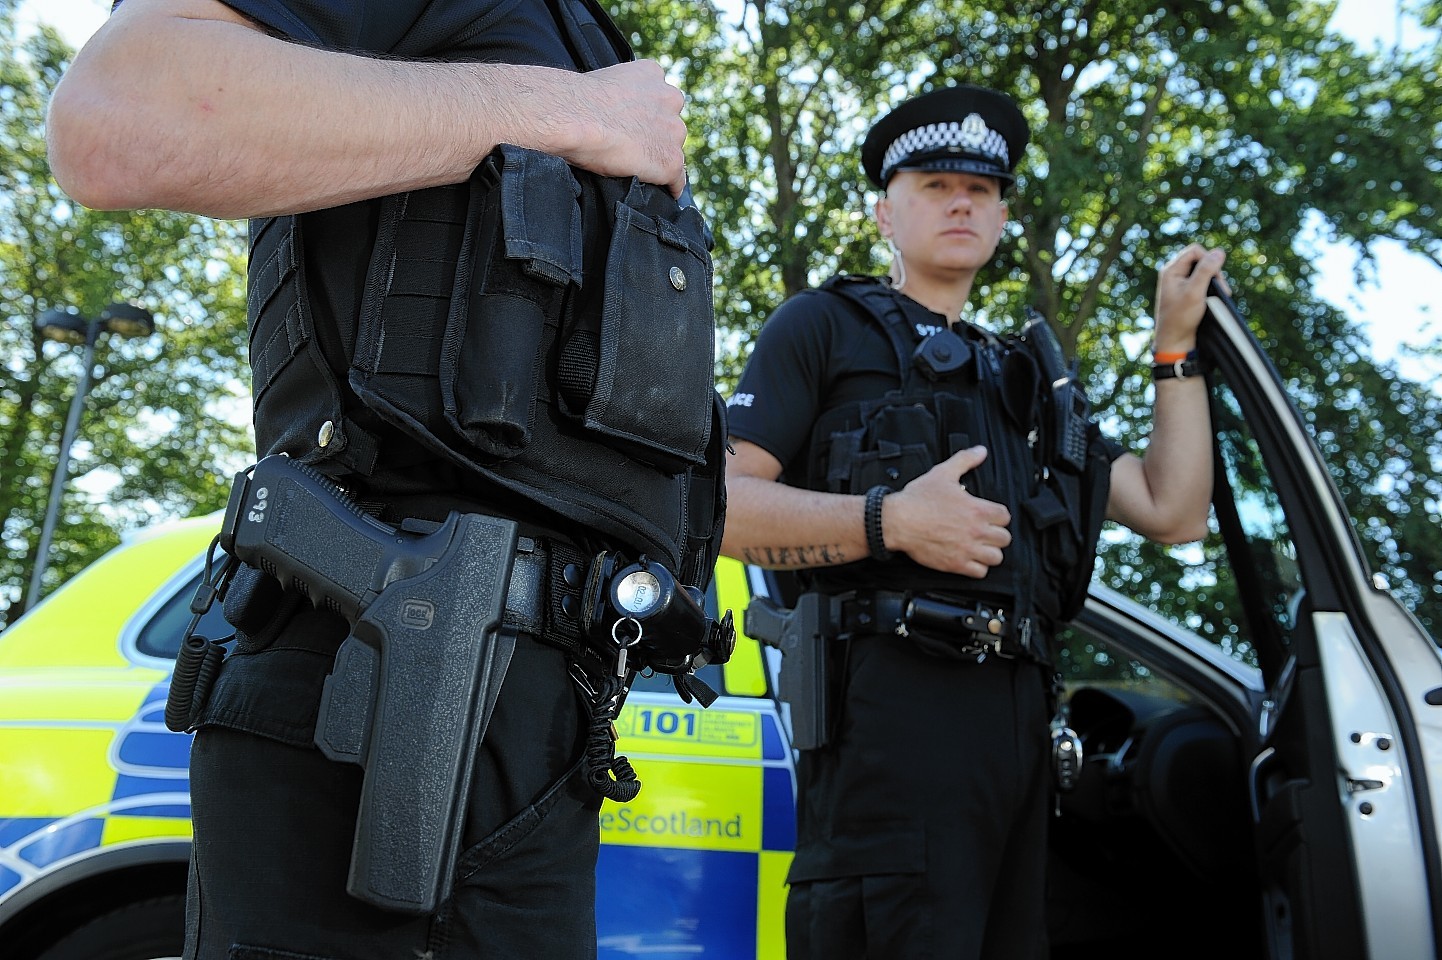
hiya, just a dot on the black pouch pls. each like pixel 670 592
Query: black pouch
pixel 1093 490
pixel 963 424
pixel 251 604
pixel 638 363
pixel 902 447
pixel 541 302
pixel 521 250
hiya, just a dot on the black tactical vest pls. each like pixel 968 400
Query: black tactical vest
pixel 546 329
pixel 1046 461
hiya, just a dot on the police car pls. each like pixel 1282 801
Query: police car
pixel 1262 743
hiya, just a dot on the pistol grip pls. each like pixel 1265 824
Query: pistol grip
pixel 763 620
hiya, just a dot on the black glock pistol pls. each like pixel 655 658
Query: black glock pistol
pixel 414 683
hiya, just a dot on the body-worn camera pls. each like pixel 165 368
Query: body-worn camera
pixel 941 354
pixel 657 623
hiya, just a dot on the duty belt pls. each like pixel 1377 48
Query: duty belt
pixel 548 579
pixel 544 596
pixel 974 630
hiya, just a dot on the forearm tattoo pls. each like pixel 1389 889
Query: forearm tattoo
pixel 793 558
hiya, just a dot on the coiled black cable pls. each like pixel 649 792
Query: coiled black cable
pixel 195 671
pixel 199 659
pixel 609 775
pixel 180 703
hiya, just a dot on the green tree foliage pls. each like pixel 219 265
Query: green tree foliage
pixel 1240 123
pixel 158 427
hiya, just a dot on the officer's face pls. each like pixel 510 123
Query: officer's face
pixel 940 220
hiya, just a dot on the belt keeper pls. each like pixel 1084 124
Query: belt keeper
pixel 874 540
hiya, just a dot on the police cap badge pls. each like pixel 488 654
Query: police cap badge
pixel 961 128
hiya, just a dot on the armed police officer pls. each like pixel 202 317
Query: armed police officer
pixel 940 491
pixel 468 260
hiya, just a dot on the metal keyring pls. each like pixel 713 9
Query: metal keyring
pixel 617 626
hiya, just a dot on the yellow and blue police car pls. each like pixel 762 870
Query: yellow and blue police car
pixel 1261 739
pixel 94 799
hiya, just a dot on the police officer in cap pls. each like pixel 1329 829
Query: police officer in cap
pixel 906 463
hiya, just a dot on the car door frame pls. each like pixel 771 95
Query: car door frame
pixel 1364 667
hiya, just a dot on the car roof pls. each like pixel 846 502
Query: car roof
pixel 79 623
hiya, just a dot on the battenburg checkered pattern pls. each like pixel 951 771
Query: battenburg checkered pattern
pixel 972 135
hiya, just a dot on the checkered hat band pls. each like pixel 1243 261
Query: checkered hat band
pixel 970 136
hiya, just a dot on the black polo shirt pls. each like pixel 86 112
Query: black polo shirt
pixel 819 352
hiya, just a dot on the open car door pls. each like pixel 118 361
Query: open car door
pixel 1344 773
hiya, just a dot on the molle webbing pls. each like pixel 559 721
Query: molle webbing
pixel 997 398
pixel 575 374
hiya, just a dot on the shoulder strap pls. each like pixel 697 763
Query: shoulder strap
pixel 591 35
pixel 875 301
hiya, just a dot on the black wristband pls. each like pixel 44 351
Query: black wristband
pixel 874 541
pixel 1180 369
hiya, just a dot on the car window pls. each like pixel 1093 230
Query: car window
pixel 162 634
pixel 1085 658
pixel 1243 578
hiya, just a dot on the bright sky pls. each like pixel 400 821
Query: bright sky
pixel 1392 302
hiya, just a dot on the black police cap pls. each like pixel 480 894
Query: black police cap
pixel 961 128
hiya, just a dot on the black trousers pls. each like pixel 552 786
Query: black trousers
pixel 922 826
pixel 274 824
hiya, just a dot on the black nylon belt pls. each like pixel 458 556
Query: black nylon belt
pixel 973 629
pixel 544 597
pixel 548 581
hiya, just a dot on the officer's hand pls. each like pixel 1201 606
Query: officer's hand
pixel 937 523
pixel 1182 296
pixel 630 125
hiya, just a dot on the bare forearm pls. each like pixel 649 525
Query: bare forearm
pixel 204 130
pixel 770 524
pixel 933 520
pixel 1165 495
pixel 210 115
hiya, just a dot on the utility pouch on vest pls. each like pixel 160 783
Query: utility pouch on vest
pixel 803 635
pixel 522 249
pixel 957 423
pixel 505 327
pixel 895 444
pixel 636 364
pixel 623 322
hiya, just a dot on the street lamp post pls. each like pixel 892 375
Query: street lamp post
pixel 68 326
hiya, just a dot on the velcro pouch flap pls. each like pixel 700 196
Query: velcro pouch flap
pixel 540 216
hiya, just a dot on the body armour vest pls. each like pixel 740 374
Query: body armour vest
pixel 547 329
pixel 1046 461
